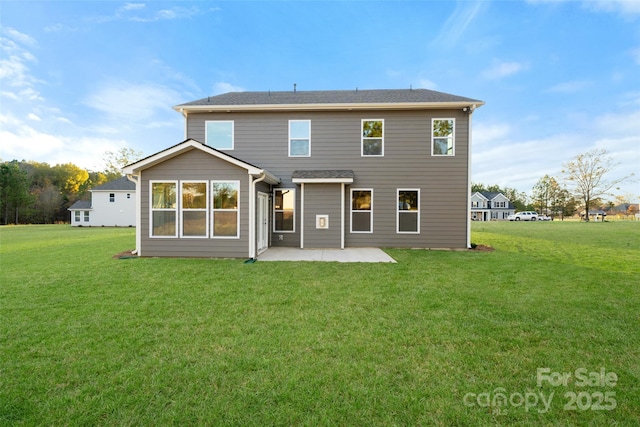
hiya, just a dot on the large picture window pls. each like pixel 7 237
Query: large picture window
pixel 226 212
pixel 372 138
pixel 408 217
pixel 442 139
pixel 299 138
pixel 164 209
pixel 194 209
pixel 361 211
pixel 219 134
pixel 284 204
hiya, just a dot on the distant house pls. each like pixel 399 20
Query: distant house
pixel 317 169
pixel 490 206
pixel 111 205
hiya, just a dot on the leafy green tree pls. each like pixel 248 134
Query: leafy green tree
pixel 544 192
pixel 586 174
pixel 14 191
pixel 115 161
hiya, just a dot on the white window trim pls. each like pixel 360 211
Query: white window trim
pixel 351 212
pixel 233 134
pixel 362 138
pixel 151 209
pixel 299 139
pixel 213 210
pixel 182 209
pixel 453 137
pixel 282 210
pixel 412 212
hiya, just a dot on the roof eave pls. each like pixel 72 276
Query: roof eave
pixel 185 109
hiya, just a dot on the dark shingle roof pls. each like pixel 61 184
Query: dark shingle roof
pixel 81 204
pixel 322 174
pixel 378 96
pixel 122 184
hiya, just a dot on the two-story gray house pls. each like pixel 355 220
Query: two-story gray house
pixel 309 169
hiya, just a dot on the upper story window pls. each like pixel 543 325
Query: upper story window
pixel 284 205
pixel 112 197
pixel 219 134
pixel 299 138
pixel 442 137
pixel 372 137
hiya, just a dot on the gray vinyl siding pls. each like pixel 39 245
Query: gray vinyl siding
pixel 195 165
pixel 322 199
pixel 262 139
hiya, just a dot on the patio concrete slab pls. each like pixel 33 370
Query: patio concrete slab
pixel 337 255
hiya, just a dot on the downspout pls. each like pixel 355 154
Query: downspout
pixel 252 213
pixel 136 180
pixel 342 215
pixel 470 114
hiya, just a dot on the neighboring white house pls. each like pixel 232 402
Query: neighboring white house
pixel 490 206
pixel 112 205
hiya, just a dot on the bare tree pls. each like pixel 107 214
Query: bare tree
pixel 585 175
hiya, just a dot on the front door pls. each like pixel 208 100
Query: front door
pixel 263 222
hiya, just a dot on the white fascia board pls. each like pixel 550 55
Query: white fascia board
pixel 325 107
pixel 322 180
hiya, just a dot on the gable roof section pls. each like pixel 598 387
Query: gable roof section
pixel 322 176
pixel 80 205
pixel 120 184
pixel 191 144
pixel 329 100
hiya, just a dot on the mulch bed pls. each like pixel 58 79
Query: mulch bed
pixel 483 248
pixel 124 255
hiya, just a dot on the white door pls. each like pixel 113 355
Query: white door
pixel 263 222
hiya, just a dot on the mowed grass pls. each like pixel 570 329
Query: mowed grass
pixel 86 339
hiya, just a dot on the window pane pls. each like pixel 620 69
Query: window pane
pixel 299 147
pixel 372 147
pixel 164 223
pixel 372 129
pixel 442 128
pixel 194 195
pixel 225 195
pixel 408 200
pixel 163 195
pixel 299 129
pixel 361 221
pixel 284 199
pixel 225 224
pixel 408 221
pixel 220 135
pixel 77 215
pixel 284 221
pixel 86 216
pixel 361 200
pixel 194 223
pixel 442 146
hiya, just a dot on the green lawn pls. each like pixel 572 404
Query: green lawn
pixel 86 339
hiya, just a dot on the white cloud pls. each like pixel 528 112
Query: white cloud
pixel 22 38
pixel 34 117
pixel 224 87
pixel 133 6
pixel 426 84
pixel 132 102
pixel 570 87
pixel 457 23
pixel 635 54
pixel 501 69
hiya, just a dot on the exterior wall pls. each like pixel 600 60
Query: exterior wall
pixel 262 139
pixel 120 213
pixel 195 165
pixel 322 199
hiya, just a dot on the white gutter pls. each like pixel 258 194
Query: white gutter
pixel 326 107
pixel 342 215
pixel 469 180
pixel 136 180
pixel 302 215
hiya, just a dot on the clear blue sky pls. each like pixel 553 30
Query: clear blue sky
pixel 559 78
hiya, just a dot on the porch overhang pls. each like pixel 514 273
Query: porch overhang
pixel 322 177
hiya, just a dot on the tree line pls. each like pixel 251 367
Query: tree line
pixel 38 193
pixel 583 186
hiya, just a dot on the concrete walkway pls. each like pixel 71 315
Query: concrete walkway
pixel 338 255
